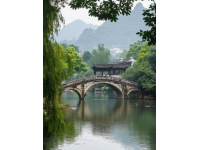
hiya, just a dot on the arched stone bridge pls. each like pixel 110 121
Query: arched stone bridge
pixel 122 87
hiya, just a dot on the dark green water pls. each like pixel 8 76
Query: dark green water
pixel 103 122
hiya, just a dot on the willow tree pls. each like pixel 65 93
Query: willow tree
pixel 55 60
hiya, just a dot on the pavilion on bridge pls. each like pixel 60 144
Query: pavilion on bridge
pixel 118 67
pixel 110 69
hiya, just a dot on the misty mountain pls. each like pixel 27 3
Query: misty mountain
pixel 114 34
pixel 72 31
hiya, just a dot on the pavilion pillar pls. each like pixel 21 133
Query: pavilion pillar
pixel 95 72
pixel 102 73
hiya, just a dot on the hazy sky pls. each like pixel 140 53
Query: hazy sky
pixel 71 15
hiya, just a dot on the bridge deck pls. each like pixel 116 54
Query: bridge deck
pixel 99 78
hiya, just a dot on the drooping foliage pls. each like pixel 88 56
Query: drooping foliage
pixel 56 127
pixel 55 60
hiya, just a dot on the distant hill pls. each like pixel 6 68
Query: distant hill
pixel 73 30
pixel 114 34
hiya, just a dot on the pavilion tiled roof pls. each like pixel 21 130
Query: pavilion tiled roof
pixel 122 66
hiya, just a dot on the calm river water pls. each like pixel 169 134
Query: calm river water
pixel 103 122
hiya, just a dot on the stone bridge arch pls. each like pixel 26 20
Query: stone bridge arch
pixel 121 87
pixel 136 90
pixel 78 91
pixel 115 87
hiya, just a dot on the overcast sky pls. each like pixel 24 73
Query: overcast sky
pixel 71 15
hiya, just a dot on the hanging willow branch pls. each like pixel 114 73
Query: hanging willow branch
pixel 57 64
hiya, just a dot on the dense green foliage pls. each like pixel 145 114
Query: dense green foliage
pixel 123 54
pixel 55 60
pixel 135 49
pixel 143 70
pixel 84 74
pixel 86 56
pixel 101 55
pixel 79 65
pixel 57 128
pixel 150 21
pixel 76 48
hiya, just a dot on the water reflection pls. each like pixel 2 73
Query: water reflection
pixel 56 129
pixel 105 122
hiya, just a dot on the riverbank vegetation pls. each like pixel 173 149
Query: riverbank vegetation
pixel 57 63
pixel 143 70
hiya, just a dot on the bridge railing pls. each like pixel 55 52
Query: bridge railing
pixel 94 78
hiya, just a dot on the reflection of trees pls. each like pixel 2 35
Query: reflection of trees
pixel 144 125
pixel 101 114
pixel 104 115
pixel 56 129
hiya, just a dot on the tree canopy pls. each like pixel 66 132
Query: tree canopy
pixel 79 65
pixel 86 56
pixel 101 55
pixel 135 49
pixel 150 20
pixel 143 70
pixel 105 10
